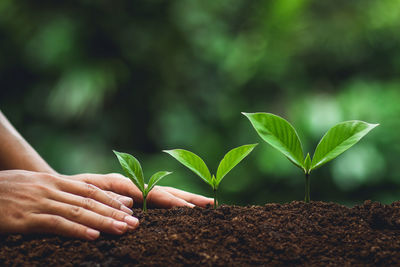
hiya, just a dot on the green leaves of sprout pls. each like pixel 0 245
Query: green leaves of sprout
pixel 274 130
pixel 280 134
pixel 133 170
pixel 197 165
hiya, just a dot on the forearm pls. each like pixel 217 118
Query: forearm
pixel 15 151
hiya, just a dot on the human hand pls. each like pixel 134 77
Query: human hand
pixel 39 202
pixel 119 186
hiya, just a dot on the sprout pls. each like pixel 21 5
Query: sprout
pixel 280 134
pixel 197 165
pixel 133 170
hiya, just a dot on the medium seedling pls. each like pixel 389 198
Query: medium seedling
pixel 280 134
pixel 133 170
pixel 197 165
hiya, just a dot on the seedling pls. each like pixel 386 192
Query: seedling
pixel 280 134
pixel 133 170
pixel 197 165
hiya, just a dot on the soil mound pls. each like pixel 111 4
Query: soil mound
pixel 295 233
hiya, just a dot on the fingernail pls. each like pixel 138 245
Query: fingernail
pixel 92 234
pixel 190 205
pixel 126 210
pixel 127 201
pixel 131 221
pixel 120 226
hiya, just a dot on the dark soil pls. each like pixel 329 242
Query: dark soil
pixel 319 234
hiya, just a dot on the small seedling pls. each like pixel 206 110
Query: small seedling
pixel 280 134
pixel 197 165
pixel 133 170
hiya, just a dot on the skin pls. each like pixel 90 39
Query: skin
pixel 34 198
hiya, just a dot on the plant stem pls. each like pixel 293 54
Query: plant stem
pixel 215 198
pixel 144 204
pixel 307 189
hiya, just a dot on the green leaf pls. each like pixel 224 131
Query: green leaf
pixel 338 139
pixel 155 179
pixel 193 162
pixel 279 133
pixel 307 164
pixel 231 159
pixel 132 168
pixel 214 182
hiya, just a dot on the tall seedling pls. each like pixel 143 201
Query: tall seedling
pixel 197 165
pixel 133 170
pixel 280 134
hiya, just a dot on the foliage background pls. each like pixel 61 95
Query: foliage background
pixel 80 78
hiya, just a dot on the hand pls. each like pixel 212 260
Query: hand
pixel 160 196
pixel 46 203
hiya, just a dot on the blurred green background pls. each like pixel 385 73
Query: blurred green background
pixel 80 78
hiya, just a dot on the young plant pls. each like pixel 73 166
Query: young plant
pixel 133 170
pixel 280 134
pixel 197 165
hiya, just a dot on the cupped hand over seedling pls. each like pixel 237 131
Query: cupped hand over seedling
pixel 280 134
pixel 133 170
pixel 197 165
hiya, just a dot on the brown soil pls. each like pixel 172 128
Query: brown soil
pixel 289 234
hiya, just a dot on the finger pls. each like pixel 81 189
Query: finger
pixel 195 199
pixel 53 224
pixel 163 199
pixel 85 217
pixel 127 201
pixel 89 191
pixel 97 207
pixel 114 182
